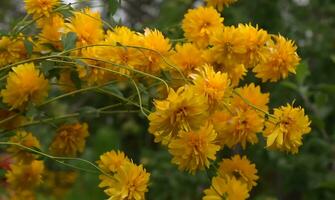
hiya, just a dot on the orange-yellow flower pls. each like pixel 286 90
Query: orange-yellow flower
pixel 220 4
pixel 25 84
pixel 214 85
pixel 240 168
pixel 118 52
pixel 156 50
pixel 88 27
pixel 186 58
pixel 111 162
pixel 279 60
pixel 25 176
pixel 181 110
pixel 200 23
pixel 11 50
pixel 193 150
pixel 40 7
pixel 240 127
pixel 286 130
pixel 228 45
pixel 25 139
pixel 129 182
pixel 52 31
pixel 228 188
pixel 254 40
pixel 250 95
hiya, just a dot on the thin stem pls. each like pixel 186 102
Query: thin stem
pixel 252 105
pixel 56 157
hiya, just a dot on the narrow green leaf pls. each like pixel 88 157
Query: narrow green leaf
pixel 114 5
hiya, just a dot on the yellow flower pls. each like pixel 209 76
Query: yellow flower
pixel 52 31
pixel 186 58
pixel 69 139
pixel 24 85
pixel 237 128
pixel 214 85
pixel 228 45
pixel 280 59
pixel 234 70
pixel 240 168
pixel 200 23
pixel 228 188
pixel 13 122
pixel 181 110
pixel 88 27
pixel 25 139
pixel 11 50
pixel 129 183
pixel 25 176
pixel 286 131
pixel 95 71
pixel 158 47
pixel 192 150
pixel 254 41
pixel 40 7
pixel 110 162
pixel 239 123
pixel 118 53
pixel 235 73
pixel 243 44
pixel 220 4
pixel 250 95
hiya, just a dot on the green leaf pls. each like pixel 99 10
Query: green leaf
pixel 302 72
pixel 69 40
pixel 114 5
pixel 29 46
pixel 46 66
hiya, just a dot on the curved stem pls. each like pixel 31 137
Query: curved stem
pixel 56 157
pixel 252 105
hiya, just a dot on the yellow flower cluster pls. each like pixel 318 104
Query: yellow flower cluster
pixel 203 108
pixel 122 179
pixel 26 172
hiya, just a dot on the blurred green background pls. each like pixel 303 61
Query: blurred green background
pixel 308 175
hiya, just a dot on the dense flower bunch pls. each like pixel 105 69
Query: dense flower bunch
pixel 202 107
